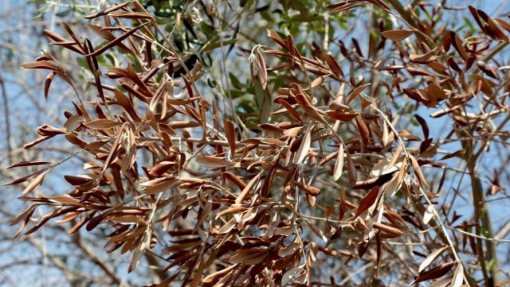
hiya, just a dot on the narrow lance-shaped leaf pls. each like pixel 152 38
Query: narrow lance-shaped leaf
pixel 47 84
pixel 339 164
pixel 356 92
pixel 231 136
pixel 116 41
pixel 397 35
pixel 351 170
pixel 434 273
pixel 240 198
pixel 458 276
pixel 367 201
pixel 213 162
pixel 36 182
pixel 432 256
pixel 304 147
pixel 418 171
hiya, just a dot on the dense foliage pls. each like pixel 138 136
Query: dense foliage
pixel 304 155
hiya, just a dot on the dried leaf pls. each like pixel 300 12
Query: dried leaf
pixel 351 170
pixel 429 214
pixel 116 41
pixel 47 84
pixel 356 92
pixel 397 35
pixel 417 170
pixel 28 163
pixel 339 164
pixel 302 152
pixel 231 136
pixel 240 198
pixel 458 276
pixel 102 124
pixel 36 182
pixel 289 274
pixel 213 162
pixel 431 257
pixel 367 201
pixel 434 273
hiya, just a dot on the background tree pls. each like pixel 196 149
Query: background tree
pixel 212 152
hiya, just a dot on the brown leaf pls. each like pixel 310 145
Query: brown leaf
pixel 417 170
pixel 424 126
pixel 240 198
pixel 397 35
pixel 47 84
pixel 363 129
pixel 302 152
pixel 367 201
pixel 213 162
pixel 116 41
pixel 458 153
pixel 339 164
pixel 388 231
pixel 251 256
pixel 431 257
pixel 457 43
pixel 317 82
pixel 356 92
pixel 231 136
pixel 73 123
pixel 351 170
pixel 161 187
pixel 434 273
pixel 36 182
pixel 341 116
pixel 114 147
pixel 28 163
pixel 25 178
pixel 458 276
pixel 102 124
pixel 309 109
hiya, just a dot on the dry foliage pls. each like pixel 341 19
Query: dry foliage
pixel 325 180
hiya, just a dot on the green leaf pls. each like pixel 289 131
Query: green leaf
pixel 263 99
pixel 63 13
pixel 235 81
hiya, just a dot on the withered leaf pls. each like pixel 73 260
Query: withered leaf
pixel 302 152
pixel 289 274
pixel 240 198
pixel 47 84
pixel 434 273
pixel 102 124
pixel 339 164
pixel 458 276
pixel 231 136
pixel 388 231
pixel 36 182
pixel 367 201
pixel 351 170
pixel 28 163
pixel 432 256
pixel 213 162
pixel 418 171
pixel 397 35
pixel 356 92
pixel 161 187
pixel 250 256
pixel 116 41
pixel 25 178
